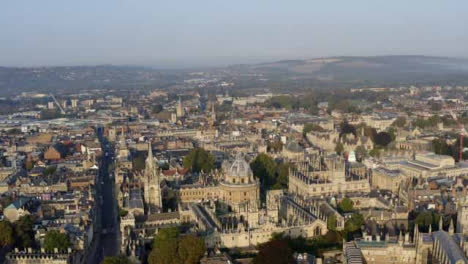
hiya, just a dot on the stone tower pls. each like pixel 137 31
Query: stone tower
pixel 123 150
pixel 462 216
pixel 151 179
pixel 180 109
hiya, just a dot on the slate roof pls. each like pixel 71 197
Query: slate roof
pixel 450 247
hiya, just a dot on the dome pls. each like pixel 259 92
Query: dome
pixel 240 167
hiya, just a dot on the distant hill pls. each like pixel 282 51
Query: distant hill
pixel 354 71
pixel 14 80
pixel 286 74
pixel 379 68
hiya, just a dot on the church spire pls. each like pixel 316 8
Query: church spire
pixel 149 159
pixel 451 228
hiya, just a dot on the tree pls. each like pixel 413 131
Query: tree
pixel 54 239
pixel 440 146
pixel 383 139
pixel 346 128
pixel 50 170
pixel 47 114
pixel 392 132
pixel 116 260
pixel 191 249
pixel 6 234
pixel 274 252
pixel 24 232
pixel 426 219
pixel 399 122
pixel 199 160
pixel 331 222
pixel 282 176
pixel 374 153
pixel 264 167
pixel 275 146
pixel 353 225
pixel 346 205
pixel 339 148
pixel 370 132
pixel 361 152
pixel 165 247
pixel 311 127
pixel 122 212
pixel 282 101
pixel 156 109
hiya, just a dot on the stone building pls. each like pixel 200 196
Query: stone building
pixel 385 179
pixel 327 175
pixel 236 188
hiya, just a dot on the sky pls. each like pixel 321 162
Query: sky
pixel 179 33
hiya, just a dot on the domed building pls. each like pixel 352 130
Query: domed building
pixel 238 188
pixel 235 188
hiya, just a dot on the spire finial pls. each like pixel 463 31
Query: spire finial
pixel 451 228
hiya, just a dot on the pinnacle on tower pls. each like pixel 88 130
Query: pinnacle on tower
pixel 451 228
pixel 149 159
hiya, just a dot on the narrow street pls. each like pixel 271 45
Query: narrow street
pixel 107 244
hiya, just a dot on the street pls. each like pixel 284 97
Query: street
pixel 108 240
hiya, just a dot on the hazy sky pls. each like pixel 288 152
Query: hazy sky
pixel 176 33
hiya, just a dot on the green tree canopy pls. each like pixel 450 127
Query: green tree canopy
pixel 399 122
pixel 426 219
pixel 346 205
pixel 361 152
pixel 199 160
pixel 24 232
pixel 353 225
pixel 165 247
pixel 54 239
pixel 116 260
pixel 347 128
pixel 331 222
pixel 440 146
pixel 170 248
pixel 275 146
pixel 263 167
pixel 281 101
pixel 311 127
pixel 383 139
pixel 339 148
pixel 6 234
pixel 156 108
pixel 282 176
pixel 191 249
pixel 274 252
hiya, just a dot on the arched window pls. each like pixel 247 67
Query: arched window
pixel 317 231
